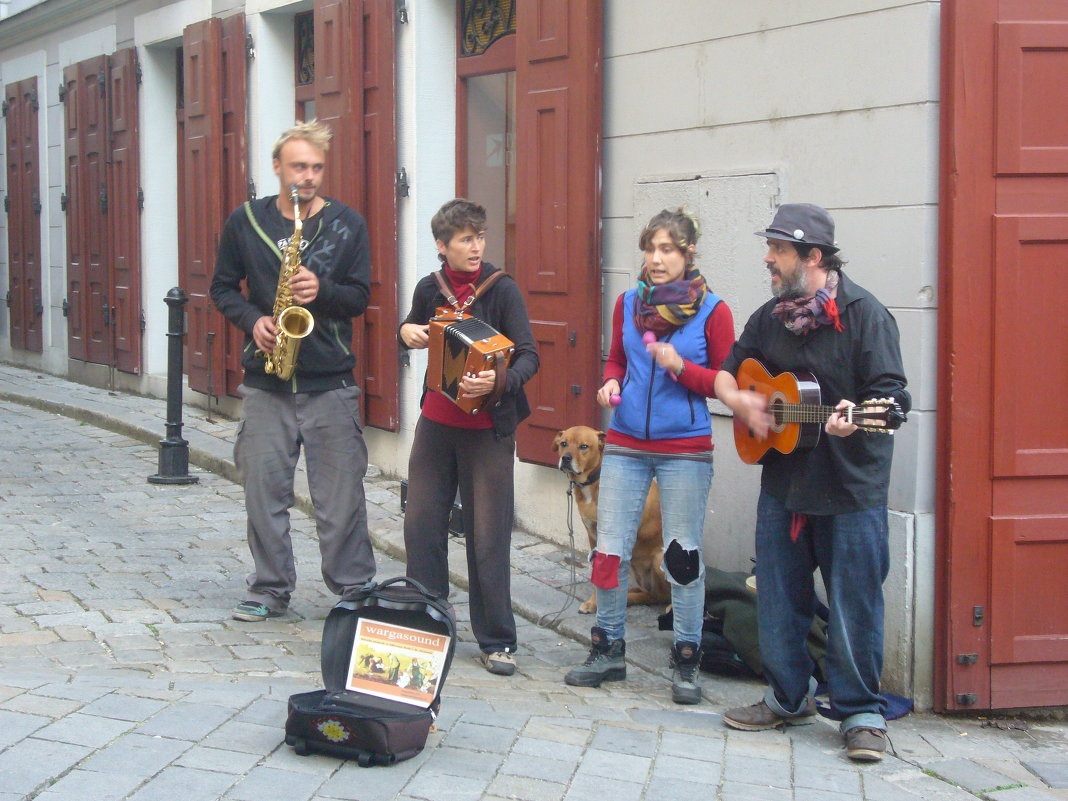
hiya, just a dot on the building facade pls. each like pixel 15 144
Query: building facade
pixel 132 127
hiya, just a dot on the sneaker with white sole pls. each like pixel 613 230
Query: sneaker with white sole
pixel 253 612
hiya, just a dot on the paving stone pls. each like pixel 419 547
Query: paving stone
pixel 525 789
pixel 352 783
pixel 545 769
pixel 820 778
pixel 1055 774
pixel 441 787
pixel 547 749
pixel 136 754
pixel 88 730
pixel 83 785
pixel 614 765
pixel 269 784
pixel 249 737
pixel 185 721
pixel 16 725
pixel 1022 794
pixel 738 791
pixel 478 738
pixel 624 741
pixel 123 707
pixel 28 764
pixel 678 768
pixel 968 774
pixel 218 760
pixel 186 784
pixel 587 787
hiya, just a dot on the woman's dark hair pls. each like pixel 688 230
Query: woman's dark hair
pixel 680 226
pixel 456 215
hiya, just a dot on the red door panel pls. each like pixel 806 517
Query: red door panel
pixel 24 217
pixel 125 211
pixel 379 362
pixel 77 347
pixel 558 85
pixel 229 341
pixel 202 201
pixel 1003 518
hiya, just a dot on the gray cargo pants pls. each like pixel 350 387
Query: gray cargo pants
pixel 274 427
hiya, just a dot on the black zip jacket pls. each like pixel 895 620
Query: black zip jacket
pixel 338 251
pixel 858 363
pixel 501 307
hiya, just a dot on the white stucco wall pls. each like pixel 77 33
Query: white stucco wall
pixel 809 93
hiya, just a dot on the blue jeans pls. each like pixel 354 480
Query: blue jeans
pixel 684 485
pixel 852 553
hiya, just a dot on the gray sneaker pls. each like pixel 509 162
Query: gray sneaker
pixel 761 717
pixel 605 662
pixel 685 663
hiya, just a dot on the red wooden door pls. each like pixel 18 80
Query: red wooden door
pixel 1004 245
pixel 203 212
pixel 87 149
pixel 124 211
pixel 234 72
pixel 354 90
pixel 558 142
pixel 379 355
pixel 23 200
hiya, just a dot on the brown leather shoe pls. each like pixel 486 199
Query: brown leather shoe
pixel 865 744
pixel 761 717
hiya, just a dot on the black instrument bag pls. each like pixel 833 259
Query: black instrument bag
pixel 379 703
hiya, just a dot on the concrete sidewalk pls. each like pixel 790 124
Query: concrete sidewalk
pixel 121 675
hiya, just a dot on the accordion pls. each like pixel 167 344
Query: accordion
pixel 460 344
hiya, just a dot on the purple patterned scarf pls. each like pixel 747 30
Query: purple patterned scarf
pixel 802 315
pixel 663 308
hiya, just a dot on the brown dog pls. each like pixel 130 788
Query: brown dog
pixel 580 449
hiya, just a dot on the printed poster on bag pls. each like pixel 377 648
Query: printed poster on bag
pixel 396 662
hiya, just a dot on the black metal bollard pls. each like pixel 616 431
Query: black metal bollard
pixel 174 451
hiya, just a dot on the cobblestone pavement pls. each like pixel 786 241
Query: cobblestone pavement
pixel 122 675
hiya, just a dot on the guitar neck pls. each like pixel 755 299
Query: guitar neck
pixel 815 413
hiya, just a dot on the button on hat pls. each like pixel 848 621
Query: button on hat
pixel 802 223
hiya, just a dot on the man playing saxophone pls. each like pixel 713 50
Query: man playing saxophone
pixel 301 250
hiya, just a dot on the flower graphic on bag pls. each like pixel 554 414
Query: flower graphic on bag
pixel 333 730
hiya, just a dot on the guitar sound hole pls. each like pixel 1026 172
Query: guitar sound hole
pixel 775 408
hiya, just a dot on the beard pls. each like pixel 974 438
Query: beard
pixel 796 286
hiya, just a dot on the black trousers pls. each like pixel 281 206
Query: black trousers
pixel 442 458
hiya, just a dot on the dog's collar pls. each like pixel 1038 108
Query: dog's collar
pixel 594 477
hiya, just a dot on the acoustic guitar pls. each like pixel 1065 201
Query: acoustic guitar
pixel 797 414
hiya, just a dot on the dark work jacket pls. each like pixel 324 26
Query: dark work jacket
pixel 339 253
pixel 861 362
pixel 503 308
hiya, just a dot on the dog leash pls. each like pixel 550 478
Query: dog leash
pixel 572 579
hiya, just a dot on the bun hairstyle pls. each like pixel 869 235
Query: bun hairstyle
pixel 681 227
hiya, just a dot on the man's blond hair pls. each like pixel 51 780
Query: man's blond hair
pixel 315 133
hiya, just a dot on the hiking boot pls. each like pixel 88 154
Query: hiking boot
pixel 605 662
pixel 761 717
pixel 253 612
pixel 500 663
pixel 865 744
pixel 685 662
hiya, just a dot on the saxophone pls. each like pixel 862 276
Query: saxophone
pixel 293 322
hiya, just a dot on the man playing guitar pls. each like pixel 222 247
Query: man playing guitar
pixel 826 506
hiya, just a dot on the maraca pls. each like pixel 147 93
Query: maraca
pixel 614 400
pixel 648 337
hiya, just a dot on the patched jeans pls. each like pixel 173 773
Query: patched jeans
pixel 852 553
pixel 684 483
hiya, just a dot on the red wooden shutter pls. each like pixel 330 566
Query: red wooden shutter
pixel 77 347
pixel 87 150
pixel 200 195
pixel 558 139
pixel 379 354
pixel 125 212
pixel 338 98
pixel 230 340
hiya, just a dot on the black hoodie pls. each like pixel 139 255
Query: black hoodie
pixel 337 249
